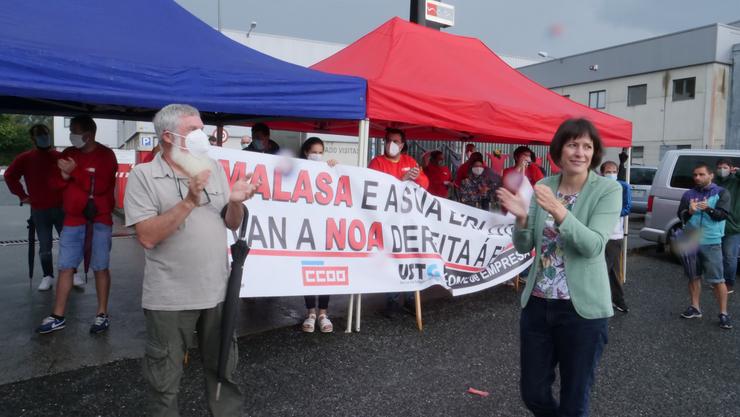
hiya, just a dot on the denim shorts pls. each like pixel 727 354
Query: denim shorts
pixel 72 247
pixel 709 264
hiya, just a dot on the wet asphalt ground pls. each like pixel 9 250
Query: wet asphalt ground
pixel 655 364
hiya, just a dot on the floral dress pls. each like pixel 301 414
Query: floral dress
pixel 551 281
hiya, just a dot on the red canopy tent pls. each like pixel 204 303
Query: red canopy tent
pixel 436 85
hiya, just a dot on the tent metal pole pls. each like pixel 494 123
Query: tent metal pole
pixel 363 142
pixel 625 239
pixel 350 310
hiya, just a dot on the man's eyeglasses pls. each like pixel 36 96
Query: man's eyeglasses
pixel 182 197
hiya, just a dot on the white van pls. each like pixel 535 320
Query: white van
pixel 673 178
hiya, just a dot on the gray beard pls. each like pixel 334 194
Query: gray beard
pixel 193 165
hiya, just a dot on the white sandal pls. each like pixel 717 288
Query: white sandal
pixel 310 323
pixel 325 324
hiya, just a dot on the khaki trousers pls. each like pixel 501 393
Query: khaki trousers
pixel 168 336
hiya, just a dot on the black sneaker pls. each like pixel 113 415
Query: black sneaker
pixel 691 313
pixel 724 322
pixel 101 324
pixel 621 307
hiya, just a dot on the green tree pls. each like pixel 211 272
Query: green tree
pixel 14 137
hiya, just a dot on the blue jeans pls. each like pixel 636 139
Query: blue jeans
pixel 72 247
pixel 730 250
pixel 553 334
pixel 45 221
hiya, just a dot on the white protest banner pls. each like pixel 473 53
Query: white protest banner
pixel 314 229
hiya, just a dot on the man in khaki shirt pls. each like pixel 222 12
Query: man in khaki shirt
pixel 181 206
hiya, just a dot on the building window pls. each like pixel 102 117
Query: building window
pixel 636 95
pixel 638 152
pixel 597 99
pixel 684 88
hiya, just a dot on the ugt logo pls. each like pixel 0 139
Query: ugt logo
pixel 316 274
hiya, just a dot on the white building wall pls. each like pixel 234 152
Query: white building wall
pixel 662 121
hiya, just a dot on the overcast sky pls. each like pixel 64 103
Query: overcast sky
pixel 518 27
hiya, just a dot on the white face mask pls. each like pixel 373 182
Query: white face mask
pixel 723 172
pixel 611 176
pixel 76 140
pixel 196 142
pixel 477 170
pixel 315 156
pixel 393 149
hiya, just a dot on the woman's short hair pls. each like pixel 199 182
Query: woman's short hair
pixel 308 144
pixel 572 129
pixel 520 150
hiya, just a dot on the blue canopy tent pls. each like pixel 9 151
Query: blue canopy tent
pixel 126 59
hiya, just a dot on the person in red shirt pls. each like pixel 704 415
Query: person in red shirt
pixel 405 168
pixel 524 159
pixel 396 163
pixel 38 168
pixel 439 175
pixel 88 172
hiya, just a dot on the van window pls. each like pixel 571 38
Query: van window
pixel 683 171
pixel 642 176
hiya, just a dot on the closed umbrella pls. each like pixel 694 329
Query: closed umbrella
pixel 31 248
pixel 239 251
pixel 90 212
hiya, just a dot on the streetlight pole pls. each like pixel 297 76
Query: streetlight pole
pixel 219 15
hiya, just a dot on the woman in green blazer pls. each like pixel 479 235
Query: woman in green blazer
pixel 567 299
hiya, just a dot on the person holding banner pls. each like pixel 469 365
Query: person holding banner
pixel 261 141
pixel 464 169
pixel 439 175
pixel 313 150
pixel 566 302
pixel 479 188
pixel 404 168
pixel 181 207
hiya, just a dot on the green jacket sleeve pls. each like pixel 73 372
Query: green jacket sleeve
pixel 589 239
pixel 523 238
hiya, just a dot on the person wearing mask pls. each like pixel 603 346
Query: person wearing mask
pixel 181 207
pixel 705 209
pixel 88 174
pixel 727 178
pixel 261 141
pixel 38 169
pixel 613 249
pixel 566 301
pixel 396 163
pixel 479 189
pixel 439 175
pixel 524 160
pixel 403 167
pixel 464 169
pixel 313 150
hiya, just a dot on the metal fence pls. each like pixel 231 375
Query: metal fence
pixel 453 151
